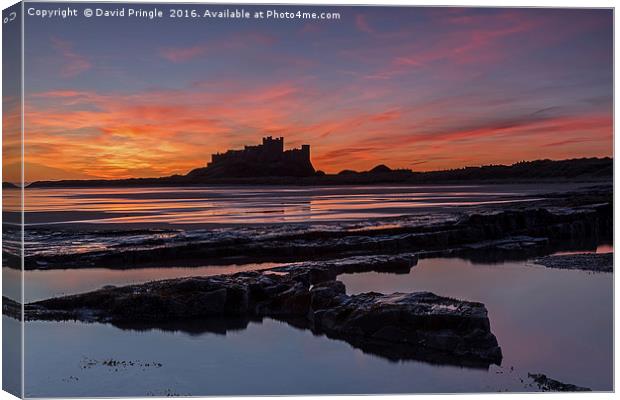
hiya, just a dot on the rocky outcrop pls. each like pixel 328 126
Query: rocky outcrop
pixel 539 226
pixel 587 262
pixel 320 271
pixel 412 322
pixel 551 385
pixel 420 326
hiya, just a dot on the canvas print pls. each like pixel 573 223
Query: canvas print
pixel 206 200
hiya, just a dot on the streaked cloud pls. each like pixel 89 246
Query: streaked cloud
pixel 178 55
pixel 73 63
pixel 410 88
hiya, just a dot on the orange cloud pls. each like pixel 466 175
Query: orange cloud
pixel 162 132
pixel 148 134
pixel 11 139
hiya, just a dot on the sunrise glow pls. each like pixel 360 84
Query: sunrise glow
pixel 423 89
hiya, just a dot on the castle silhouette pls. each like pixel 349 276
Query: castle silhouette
pixel 266 159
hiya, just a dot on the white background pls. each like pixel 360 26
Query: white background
pixel 500 3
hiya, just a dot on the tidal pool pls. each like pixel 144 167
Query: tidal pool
pixel 547 321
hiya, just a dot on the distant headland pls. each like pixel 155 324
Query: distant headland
pixel 269 163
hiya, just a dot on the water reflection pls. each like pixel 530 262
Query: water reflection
pixel 229 205
pixel 392 352
pixel 546 320
pixel 549 321
pixel 43 284
pixel 266 358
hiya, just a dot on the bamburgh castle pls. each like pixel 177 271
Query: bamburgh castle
pixel 272 150
pixel 266 159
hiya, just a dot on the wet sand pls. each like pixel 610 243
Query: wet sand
pixel 208 207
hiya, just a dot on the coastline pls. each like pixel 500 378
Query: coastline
pixel 557 216
pixel 578 170
pixel 309 294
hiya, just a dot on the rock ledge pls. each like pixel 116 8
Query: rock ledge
pixel 420 326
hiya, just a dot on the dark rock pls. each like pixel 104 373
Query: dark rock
pixel 294 301
pixel 588 262
pixel 497 229
pixel 513 243
pixel 551 385
pixel 409 326
pixel 237 299
pixel 326 295
pixel 313 272
pixel 418 320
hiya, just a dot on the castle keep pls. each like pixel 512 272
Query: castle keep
pixel 271 150
pixel 266 159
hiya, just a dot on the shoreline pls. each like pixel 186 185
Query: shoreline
pixel 560 217
pixel 307 182
pixel 88 219
pixel 539 170
pixel 307 294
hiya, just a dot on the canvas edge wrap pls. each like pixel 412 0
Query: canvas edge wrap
pixel 13 187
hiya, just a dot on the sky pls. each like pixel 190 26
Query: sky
pixel 417 88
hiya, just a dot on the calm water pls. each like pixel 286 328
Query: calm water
pixel 79 220
pixel 546 320
pixel 43 284
pixel 266 358
pixel 243 204
pixel 556 322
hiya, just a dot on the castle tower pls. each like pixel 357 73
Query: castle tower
pixel 305 151
pixel 273 146
pixel 265 159
pixel 272 149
